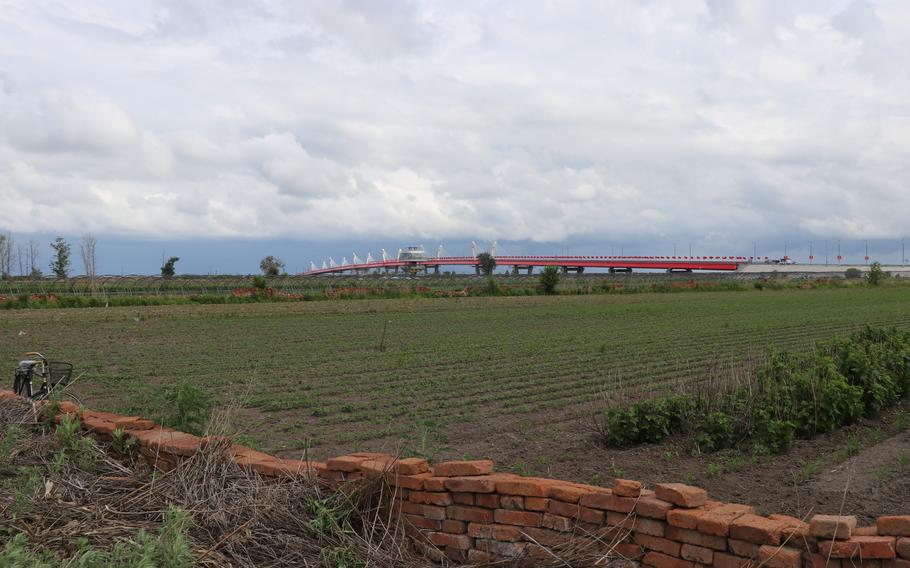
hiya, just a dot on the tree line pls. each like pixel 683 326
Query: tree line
pixel 26 258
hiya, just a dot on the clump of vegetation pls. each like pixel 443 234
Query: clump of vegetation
pixel 876 274
pixel 549 279
pixel 790 396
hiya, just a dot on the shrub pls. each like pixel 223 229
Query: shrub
pixel 549 279
pixel 876 274
pixel 185 407
pixel 789 396
pixel 853 273
pixel 716 431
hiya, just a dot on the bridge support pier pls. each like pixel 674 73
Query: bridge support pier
pixel 624 270
pixel 436 269
pixel 477 269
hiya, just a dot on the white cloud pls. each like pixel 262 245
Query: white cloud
pixel 538 121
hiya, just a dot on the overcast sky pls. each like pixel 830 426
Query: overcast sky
pixel 714 121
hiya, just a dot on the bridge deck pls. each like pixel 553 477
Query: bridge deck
pixel 725 263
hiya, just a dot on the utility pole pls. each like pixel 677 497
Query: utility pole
pixel 826 252
pixel 810 253
pixel 866 258
pixel 839 257
pixel 785 250
pixel 754 250
pixel 903 254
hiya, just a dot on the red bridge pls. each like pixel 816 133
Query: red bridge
pixel 564 263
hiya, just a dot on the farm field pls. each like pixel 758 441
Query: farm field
pixel 516 379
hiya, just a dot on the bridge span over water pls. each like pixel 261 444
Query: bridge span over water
pixel 529 263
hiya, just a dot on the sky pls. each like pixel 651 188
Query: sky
pixel 224 131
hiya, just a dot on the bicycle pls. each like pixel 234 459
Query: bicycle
pixel 54 377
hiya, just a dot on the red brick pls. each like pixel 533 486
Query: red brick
pixel 545 537
pixel 556 522
pixel 698 554
pixel 512 502
pixel 894 525
pixel 571 492
pixel 506 549
pixel 590 515
pixel 410 466
pixel 659 560
pixel 903 548
pixel 457 541
pixel 479 557
pixel 779 557
pixel 505 533
pixel 696 538
pixel 431 498
pixel 453 527
pixel 487 500
pixel 457 555
pixel 658 544
pixel 717 521
pixel 434 512
pixel 463 498
pixel 527 487
pixel 351 462
pixel 793 529
pixel 685 518
pixel 816 560
pixel 413 482
pixel 723 560
pixel 563 509
pixel 522 518
pixel 832 526
pixel 423 522
pixel 433 483
pixel 536 503
pixel 608 502
pixel 867 531
pixel 649 526
pixel 619 520
pixel 681 495
pixel 628 550
pixel 463 468
pixel 652 507
pixel 626 488
pixel 759 530
pixel 480 484
pixel 743 548
pixel 470 514
pixel 860 547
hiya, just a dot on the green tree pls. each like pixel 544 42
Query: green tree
pixel 876 274
pixel 271 266
pixel 549 278
pixel 486 262
pixel 167 271
pixel 60 264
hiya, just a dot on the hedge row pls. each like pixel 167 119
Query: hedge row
pixel 791 396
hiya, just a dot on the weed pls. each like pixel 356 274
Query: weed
pixel 903 461
pixel 7 443
pixel 595 479
pixel 735 463
pixel 714 469
pixel 124 445
pixel 615 471
pixel 807 471
pixel 851 449
pixel 690 478
pixel 81 448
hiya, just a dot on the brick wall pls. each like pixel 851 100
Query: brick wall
pixel 466 512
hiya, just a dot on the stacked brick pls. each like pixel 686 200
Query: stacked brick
pixel 463 511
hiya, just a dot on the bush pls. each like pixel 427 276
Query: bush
pixel 790 396
pixel 549 279
pixel 876 274
pixel 853 273
pixel 716 431
pixel 185 407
